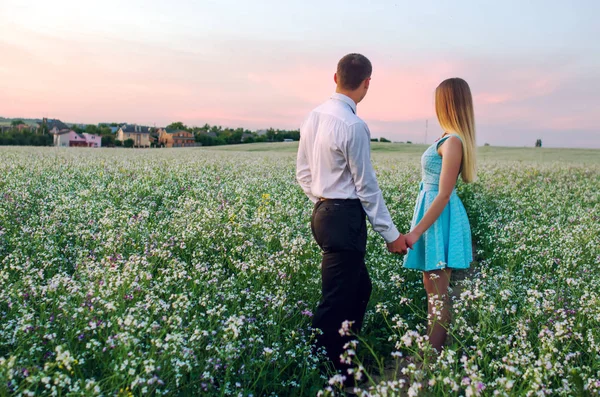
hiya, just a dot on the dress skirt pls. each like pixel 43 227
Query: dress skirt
pixel 447 243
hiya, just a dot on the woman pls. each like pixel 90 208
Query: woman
pixel 440 234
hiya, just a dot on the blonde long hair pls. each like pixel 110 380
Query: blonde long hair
pixel 454 109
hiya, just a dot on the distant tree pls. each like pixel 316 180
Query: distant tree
pixel 104 130
pixel 118 143
pixel 16 122
pixel 108 141
pixel 43 129
pixel 486 144
pixel 294 134
pixel 271 135
pixel 409 142
pixel 25 138
pixel 77 128
pixel 91 129
pixel 41 140
pixel 261 138
pixel 374 139
pixel 384 140
pixel 236 136
pixel 128 143
pixel 206 140
pixel 177 126
pixel 274 135
pixel 538 143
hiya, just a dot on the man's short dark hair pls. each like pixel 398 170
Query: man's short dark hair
pixel 352 70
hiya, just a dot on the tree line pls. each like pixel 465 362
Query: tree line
pixel 24 137
pixel 216 135
pixel 207 135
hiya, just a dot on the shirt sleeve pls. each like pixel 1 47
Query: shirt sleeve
pixel 303 174
pixel 358 156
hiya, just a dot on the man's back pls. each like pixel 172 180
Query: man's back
pixel 326 134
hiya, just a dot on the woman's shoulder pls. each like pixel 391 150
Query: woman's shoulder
pixel 448 138
pixel 454 136
pixel 450 142
pixel 454 139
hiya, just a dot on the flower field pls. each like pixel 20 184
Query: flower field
pixel 194 272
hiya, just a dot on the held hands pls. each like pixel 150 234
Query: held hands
pixel 402 243
pixel 398 246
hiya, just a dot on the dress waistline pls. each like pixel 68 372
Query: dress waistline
pixel 431 187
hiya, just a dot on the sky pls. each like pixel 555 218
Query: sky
pixel 533 66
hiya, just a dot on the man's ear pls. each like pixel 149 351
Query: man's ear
pixel 335 78
pixel 367 82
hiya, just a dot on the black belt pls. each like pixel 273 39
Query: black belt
pixel 339 200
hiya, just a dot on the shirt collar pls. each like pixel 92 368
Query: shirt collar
pixel 345 99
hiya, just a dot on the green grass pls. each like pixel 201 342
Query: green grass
pixel 526 154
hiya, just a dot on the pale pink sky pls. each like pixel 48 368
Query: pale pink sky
pixel 268 64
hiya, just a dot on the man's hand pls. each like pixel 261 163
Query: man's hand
pixel 398 246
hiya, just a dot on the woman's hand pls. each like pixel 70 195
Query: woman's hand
pixel 412 238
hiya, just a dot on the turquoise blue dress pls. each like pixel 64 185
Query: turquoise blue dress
pixel 447 243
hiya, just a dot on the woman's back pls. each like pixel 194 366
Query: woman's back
pixel 431 162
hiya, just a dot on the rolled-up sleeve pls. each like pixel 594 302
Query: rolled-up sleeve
pixel 358 157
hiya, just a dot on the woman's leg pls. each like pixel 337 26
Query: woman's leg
pixel 438 311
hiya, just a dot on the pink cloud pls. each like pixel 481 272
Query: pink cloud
pixel 492 98
pixel 94 80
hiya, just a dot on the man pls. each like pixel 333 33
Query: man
pixel 335 171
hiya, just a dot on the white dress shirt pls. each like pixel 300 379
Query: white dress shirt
pixel 334 161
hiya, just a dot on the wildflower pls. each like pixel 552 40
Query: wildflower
pixel 268 351
pixel 346 328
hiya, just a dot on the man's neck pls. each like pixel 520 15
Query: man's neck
pixel 350 94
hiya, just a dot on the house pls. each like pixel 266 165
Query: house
pixel 22 127
pixel 139 134
pixel 71 138
pixel 175 138
pixel 288 140
pixel 261 132
pixel 55 126
pixel 6 127
pixel 93 140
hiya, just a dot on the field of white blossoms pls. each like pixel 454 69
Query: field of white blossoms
pixel 193 272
